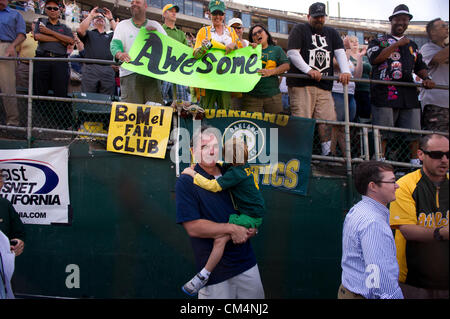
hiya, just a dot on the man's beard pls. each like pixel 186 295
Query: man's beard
pixel 317 27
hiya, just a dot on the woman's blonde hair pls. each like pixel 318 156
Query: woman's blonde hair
pixel 235 151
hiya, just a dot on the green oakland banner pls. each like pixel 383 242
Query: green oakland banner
pixel 156 55
pixel 280 146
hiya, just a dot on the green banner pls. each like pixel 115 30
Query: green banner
pixel 280 146
pixel 164 58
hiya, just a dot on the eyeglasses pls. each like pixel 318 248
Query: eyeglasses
pixel 254 34
pixel 237 28
pixel 217 13
pixel 52 8
pixel 436 154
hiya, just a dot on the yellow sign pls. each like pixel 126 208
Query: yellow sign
pixel 139 129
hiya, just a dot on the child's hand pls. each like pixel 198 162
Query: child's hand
pixel 188 171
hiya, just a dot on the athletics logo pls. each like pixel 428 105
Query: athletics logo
pixel 250 133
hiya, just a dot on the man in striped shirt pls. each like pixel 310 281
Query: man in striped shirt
pixel 369 266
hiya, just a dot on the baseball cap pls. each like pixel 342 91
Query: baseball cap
pixel 401 9
pixel 215 5
pixel 317 10
pixel 234 21
pixel 170 6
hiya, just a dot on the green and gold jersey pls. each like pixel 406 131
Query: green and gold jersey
pixel 272 57
pixel 420 202
pixel 242 184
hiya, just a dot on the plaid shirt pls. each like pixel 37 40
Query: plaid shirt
pixel 167 92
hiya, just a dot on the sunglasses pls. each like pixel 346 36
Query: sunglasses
pixel 237 28
pixel 52 8
pixel 436 154
pixel 254 34
pixel 217 13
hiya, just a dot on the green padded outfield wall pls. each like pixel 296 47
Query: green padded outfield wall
pixel 125 243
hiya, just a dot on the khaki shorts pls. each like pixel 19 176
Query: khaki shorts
pixel 246 285
pixel 271 104
pixel 139 89
pixel 312 102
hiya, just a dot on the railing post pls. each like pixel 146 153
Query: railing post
pixel 348 152
pixel 376 143
pixel 366 143
pixel 30 102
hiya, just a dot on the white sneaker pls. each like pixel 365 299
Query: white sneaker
pixel 194 285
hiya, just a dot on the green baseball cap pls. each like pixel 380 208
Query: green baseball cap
pixel 215 5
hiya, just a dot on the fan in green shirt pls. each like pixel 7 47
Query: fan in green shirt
pixel 266 95
pixel 169 14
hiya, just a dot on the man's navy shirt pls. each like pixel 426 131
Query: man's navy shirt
pixel 96 45
pixel 194 202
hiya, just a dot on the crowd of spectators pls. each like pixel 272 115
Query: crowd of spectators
pixel 391 57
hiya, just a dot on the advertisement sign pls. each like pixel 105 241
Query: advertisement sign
pixel 35 181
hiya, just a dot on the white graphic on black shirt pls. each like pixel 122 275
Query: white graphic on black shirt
pixel 319 58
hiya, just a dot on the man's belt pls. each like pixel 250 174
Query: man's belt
pixel 50 54
pixel 5 41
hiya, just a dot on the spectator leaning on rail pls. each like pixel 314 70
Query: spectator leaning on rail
pixel 435 55
pixel 394 57
pixel 420 217
pixel 97 78
pixel 12 33
pixel 266 95
pixel 169 14
pixel 369 267
pixel 220 37
pixel 317 45
pixel 134 87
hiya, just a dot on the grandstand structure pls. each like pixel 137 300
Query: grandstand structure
pixel 193 15
pixel 362 139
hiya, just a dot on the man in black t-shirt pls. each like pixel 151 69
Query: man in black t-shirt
pixel 53 38
pixel 97 78
pixel 311 49
pixel 394 57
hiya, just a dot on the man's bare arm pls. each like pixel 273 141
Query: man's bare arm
pixel 203 228
pixel 420 233
pixel 440 58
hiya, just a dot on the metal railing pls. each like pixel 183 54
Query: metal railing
pixel 366 127
pixel 363 136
